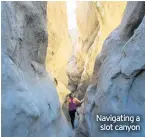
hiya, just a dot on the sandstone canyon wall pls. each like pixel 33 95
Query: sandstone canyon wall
pixel 30 104
pixel 59 46
pixel 118 80
pixel 87 24
pixel 95 20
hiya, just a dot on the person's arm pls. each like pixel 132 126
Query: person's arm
pixel 78 101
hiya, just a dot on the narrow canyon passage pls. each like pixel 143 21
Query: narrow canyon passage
pixel 94 50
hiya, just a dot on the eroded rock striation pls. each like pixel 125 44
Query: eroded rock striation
pixel 59 46
pixel 95 20
pixel 87 24
pixel 30 104
pixel 118 80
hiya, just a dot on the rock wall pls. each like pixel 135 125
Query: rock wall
pixel 95 21
pixel 87 23
pixel 118 80
pixel 59 46
pixel 30 104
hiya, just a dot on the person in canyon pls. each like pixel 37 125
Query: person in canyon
pixel 73 102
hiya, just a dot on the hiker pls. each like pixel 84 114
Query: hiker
pixel 72 106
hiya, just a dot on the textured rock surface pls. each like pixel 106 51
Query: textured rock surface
pixel 95 21
pixel 30 104
pixel 59 46
pixel 87 23
pixel 119 76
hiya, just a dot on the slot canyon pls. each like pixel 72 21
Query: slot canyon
pixel 93 49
